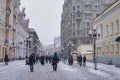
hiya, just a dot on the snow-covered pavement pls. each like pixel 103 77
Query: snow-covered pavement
pixel 17 70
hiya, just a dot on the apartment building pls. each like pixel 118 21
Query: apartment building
pixel 76 20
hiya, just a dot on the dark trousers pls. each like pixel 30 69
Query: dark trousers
pixel 31 67
pixel 80 63
pixel 84 63
pixel 6 62
pixel 54 66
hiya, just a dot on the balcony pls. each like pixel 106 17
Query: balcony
pixel 8 10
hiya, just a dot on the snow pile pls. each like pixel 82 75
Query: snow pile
pixel 67 67
pixel 100 73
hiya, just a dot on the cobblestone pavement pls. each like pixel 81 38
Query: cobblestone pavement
pixel 19 71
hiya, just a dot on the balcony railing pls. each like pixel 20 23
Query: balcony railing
pixel 8 10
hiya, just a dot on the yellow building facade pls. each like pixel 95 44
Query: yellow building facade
pixel 108 25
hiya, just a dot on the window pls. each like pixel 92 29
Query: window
pixel 73 33
pixel 117 26
pixel 101 32
pixel 88 15
pixel 73 24
pixel 88 24
pixel 78 24
pixel 107 32
pixel 73 7
pixel 78 33
pixel 97 7
pixel 117 46
pixel 87 7
pixel 78 13
pixel 97 14
pixel 112 48
pixel 73 16
pixel 111 28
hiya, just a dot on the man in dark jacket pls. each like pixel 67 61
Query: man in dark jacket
pixel 55 60
pixel 80 60
pixel 31 61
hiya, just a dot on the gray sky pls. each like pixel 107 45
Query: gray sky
pixel 45 17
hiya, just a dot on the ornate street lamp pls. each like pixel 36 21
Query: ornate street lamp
pixel 28 44
pixel 62 49
pixel 70 45
pixel 35 46
pixel 94 35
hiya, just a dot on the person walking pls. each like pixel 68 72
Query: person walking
pixel 27 60
pixel 31 61
pixel 6 59
pixel 70 60
pixel 55 60
pixel 84 60
pixel 42 59
pixel 80 60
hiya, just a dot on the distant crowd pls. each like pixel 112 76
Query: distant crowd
pixel 51 59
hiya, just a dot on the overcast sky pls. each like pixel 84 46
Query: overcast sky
pixel 45 17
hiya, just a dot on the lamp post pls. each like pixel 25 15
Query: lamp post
pixel 28 44
pixel 70 45
pixel 35 46
pixel 94 35
pixel 62 52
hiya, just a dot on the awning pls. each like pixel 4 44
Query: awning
pixel 118 39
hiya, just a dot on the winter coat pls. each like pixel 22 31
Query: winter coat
pixel 84 59
pixel 55 59
pixel 42 60
pixel 79 58
pixel 31 59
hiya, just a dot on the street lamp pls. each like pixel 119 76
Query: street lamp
pixel 35 46
pixel 62 49
pixel 70 45
pixel 28 44
pixel 94 35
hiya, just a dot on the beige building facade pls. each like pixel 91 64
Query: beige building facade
pixel 108 25
pixel 8 20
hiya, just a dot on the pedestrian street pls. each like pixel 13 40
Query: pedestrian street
pixel 17 70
